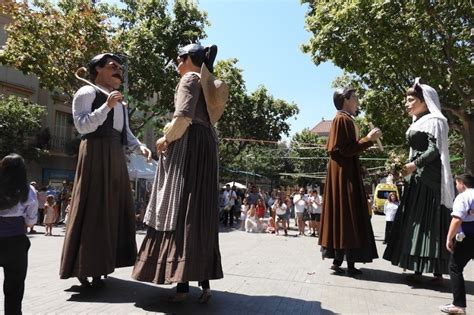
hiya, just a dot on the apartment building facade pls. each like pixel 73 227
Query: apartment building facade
pixel 58 166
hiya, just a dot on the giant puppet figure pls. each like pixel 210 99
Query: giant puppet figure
pixel 182 241
pixel 100 234
pixel 422 220
pixel 346 231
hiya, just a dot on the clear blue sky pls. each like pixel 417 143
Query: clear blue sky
pixel 265 36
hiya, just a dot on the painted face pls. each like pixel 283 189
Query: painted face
pixel 351 105
pixel 414 106
pixel 110 74
pixel 182 61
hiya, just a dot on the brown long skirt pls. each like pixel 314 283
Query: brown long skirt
pixel 191 252
pixel 100 233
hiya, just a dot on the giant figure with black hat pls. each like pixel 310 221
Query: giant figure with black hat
pixel 100 235
pixel 182 241
pixel 346 231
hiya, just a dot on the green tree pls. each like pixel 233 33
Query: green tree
pixel 53 41
pixel 249 116
pixel 309 156
pixel 386 44
pixel 17 135
pixel 149 35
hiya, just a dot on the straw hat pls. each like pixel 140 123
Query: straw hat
pixel 216 93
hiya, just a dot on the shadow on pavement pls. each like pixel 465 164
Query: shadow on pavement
pixel 153 298
pixel 426 281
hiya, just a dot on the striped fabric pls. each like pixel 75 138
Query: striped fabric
pixel 162 211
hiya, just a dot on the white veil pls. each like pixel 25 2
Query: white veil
pixel 436 124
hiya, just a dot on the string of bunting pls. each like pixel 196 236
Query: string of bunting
pixel 301 145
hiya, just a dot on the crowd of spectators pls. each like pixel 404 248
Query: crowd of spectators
pixel 255 210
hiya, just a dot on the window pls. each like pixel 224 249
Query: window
pixel 63 130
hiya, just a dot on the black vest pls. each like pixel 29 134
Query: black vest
pixel 107 127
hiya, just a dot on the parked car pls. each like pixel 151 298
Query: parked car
pixel 381 194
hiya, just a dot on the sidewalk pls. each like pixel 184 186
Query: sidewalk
pixel 263 274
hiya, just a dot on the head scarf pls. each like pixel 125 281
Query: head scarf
pixel 436 124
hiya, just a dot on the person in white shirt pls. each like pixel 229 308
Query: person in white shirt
pixel 460 242
pixel 18 210
pixel 390 209
pixel 229 204
pixel 251 222
pixel 300 200
pixel 243 213
pixel 315 202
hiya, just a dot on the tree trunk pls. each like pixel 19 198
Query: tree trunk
pixel 468 136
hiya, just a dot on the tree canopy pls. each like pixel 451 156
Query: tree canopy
pixel 384 45
pixel 53 40
pixel 17 135
pixel 256 115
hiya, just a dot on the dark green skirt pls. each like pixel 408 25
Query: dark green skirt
pixel 418 237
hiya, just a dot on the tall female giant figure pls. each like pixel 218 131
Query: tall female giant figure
pixel 182 242
pixel 421 223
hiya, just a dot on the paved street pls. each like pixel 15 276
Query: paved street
pixel 263 274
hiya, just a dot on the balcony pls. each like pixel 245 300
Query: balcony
pixel 63 145
pixel 58 144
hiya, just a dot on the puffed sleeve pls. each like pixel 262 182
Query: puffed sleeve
pixel 85 120
pixel 176 128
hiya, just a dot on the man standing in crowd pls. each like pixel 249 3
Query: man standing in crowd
pixel 316 203
pixel 460 242
pixel 300 200
pixel 41 201
pixel 100 234
pixel 229 204
pixel 346 231
pixel 253 195
pixel 35 187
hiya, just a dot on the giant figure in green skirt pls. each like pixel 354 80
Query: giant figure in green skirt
pixel 422 221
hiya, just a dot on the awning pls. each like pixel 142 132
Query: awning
pixel 236 184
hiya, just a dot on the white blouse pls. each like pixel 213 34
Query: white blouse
pixel 87 121
pixel 27 209
pixel 390 210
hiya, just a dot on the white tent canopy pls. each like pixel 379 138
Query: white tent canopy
pixel 138 167
pixel 236 184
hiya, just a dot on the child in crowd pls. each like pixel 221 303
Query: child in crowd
pixel 252 222
pixel 49 214
pixel 243 213
pixel 18 210
pixel 260 208
pixel 460 242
